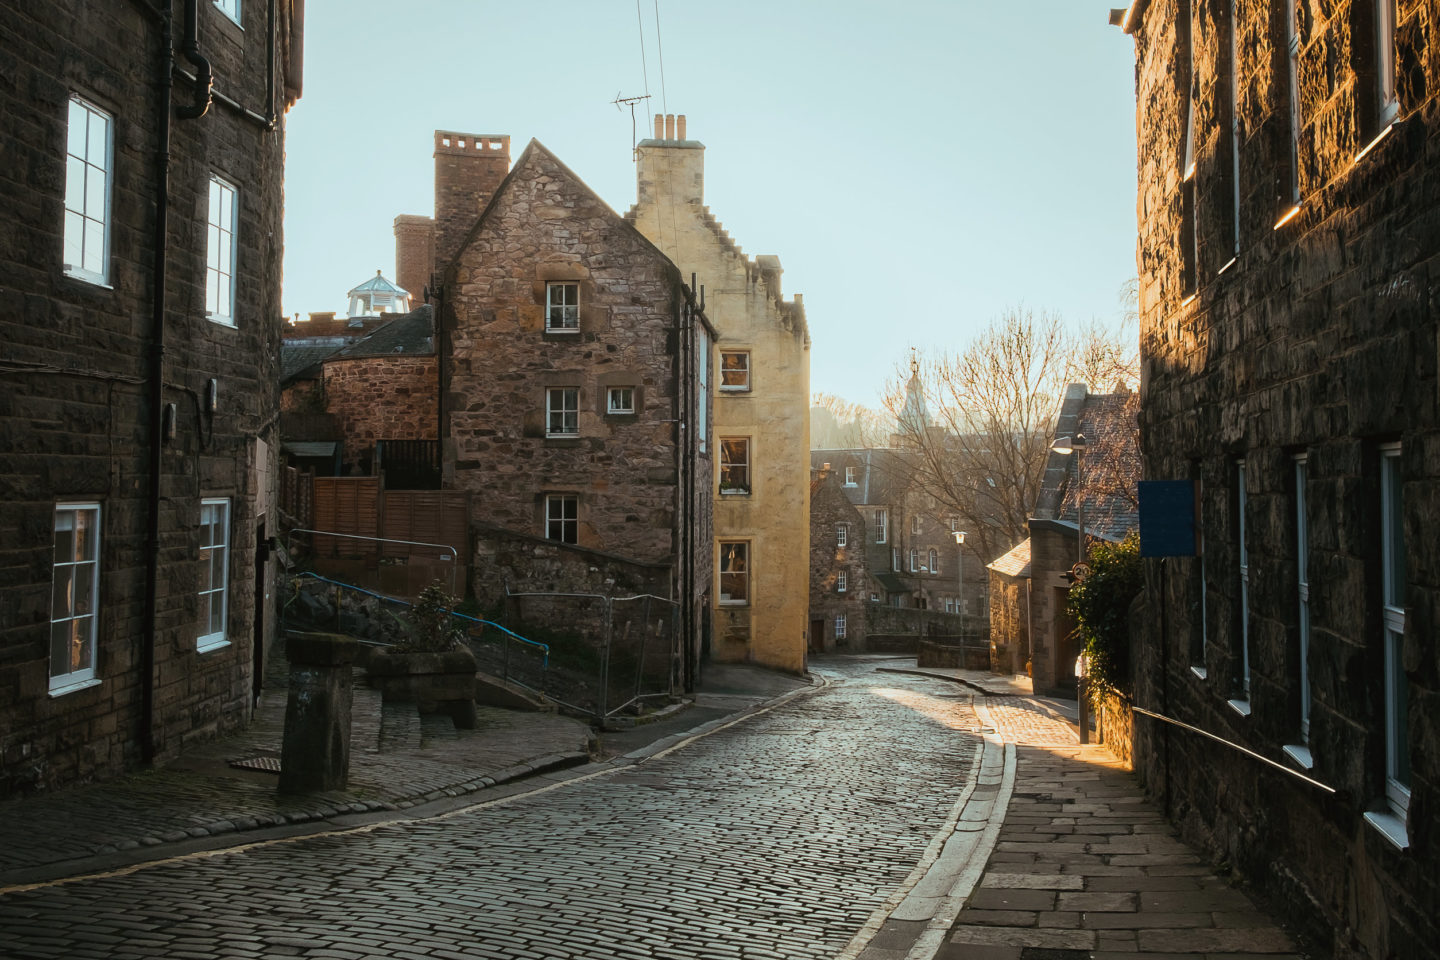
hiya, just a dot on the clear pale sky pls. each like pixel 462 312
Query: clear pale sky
pixel 918 166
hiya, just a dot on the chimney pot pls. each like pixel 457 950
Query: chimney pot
pixel 659 126
pixel 680 127
pixel 669 126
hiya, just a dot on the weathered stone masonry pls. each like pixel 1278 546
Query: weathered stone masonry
pixel 1318 341
pixel 74 408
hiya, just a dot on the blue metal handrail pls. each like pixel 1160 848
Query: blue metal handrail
pixel 380 596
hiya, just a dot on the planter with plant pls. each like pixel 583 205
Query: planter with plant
pixel 430 667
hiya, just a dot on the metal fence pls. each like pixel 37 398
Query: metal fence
pixel 607 654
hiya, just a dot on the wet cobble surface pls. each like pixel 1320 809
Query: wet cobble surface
pixel 774 837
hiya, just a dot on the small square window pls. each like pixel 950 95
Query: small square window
pixel 620 400
pixel 214 572
pixel 562 307
pixel 735 370
pixel 74 595
pixel 88 166
pixel 231 8
pixel 840 581
pixel 734 571
pixel 562 517
pixel 734 465
pixel 220 253
pixel 562 412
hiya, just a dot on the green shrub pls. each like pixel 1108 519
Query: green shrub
pixel 429 628
pixel 1100 605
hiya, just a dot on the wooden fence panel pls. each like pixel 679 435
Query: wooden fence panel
pixel 347 505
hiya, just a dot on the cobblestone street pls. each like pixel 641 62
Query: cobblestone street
pixel 777 836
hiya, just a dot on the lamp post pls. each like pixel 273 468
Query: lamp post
pixel 960 574
pixel 1066 446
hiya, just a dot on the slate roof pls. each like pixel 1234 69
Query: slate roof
pixel 1015 563
pixel 1110 464
pixel 297 359
pixel 410 333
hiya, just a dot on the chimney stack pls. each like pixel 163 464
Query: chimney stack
pixel 414 255
pixel 468 169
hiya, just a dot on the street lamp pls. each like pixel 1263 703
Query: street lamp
pixel 1066 446
pixel 960 569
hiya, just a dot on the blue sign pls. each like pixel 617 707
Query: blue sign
pixel 1167 518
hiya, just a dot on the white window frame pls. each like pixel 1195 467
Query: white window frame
pixel 91 172
pixel 1242 703
pixel 741 387
pixel 841 581
pixel 231 9
pixel 1393 584
pixel 1292 47
pixel 731 468
pixel 620 400
pixel 562 516
pixel 849 476
pixel 915 524
pixel 562 307
pixel 840 626
pixel 702 406
pixel 222 221
pixel 842 534
pixel 934 561
pixel 562 403
pixel 85 634
pixel 1389 106
pixel 914 559
pixel 737 549
pixel 210 593
pixel 895 560
pixel 882 525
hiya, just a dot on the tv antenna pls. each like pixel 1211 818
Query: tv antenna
pixel 631 101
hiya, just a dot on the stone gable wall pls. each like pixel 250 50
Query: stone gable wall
pixel 1320 339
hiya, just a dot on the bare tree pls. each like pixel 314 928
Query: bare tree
pixel 972 430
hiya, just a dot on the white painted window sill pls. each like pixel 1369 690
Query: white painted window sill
pixel 73 687
pixel 207 644
pixel 86 276
pixel 1200 672
pixel 1241 707
pixel 1300 755
pixel 1391 827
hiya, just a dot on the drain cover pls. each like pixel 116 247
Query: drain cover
pixel 262 764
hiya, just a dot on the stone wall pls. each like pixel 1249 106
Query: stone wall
pixel 1317 340
pixel 829 509
pixel 1052 647
pixel 74 414
pixel 381 398
pixel 745 304
pixel 1009 624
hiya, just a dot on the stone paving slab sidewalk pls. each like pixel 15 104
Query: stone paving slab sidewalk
pixel 398 759
pixel 1086 869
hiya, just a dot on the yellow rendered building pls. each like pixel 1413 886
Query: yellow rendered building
pixel 760 375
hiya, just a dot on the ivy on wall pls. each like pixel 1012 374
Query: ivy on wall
pixel 1100 605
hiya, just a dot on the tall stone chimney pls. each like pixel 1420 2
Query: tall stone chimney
pixel 414 255
pixel 468 169
pixel 669 167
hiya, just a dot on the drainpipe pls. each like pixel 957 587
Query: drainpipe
pixel 205 82
pixel 157 387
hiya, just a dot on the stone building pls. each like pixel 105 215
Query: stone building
pixel 840 583
pixel 908 537
pixel 1098 478
pixel 141 265
pixel 576 372
pixel 1289 249
pixel 362 395
pixel 762 395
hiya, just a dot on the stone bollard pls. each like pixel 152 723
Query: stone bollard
pixel 316 750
